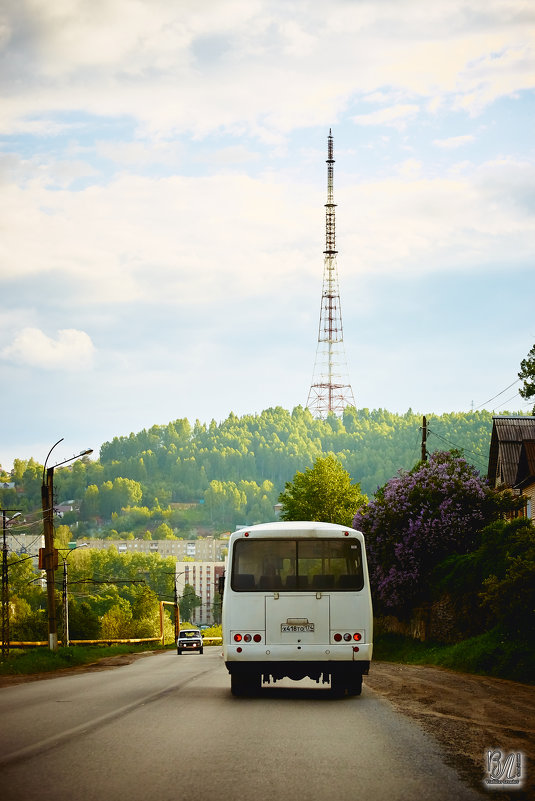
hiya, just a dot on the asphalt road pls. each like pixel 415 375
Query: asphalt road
pixel 166 727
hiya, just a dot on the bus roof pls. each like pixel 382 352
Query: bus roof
pixel 296 528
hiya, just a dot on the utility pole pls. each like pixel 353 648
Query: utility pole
pixel 5 582
pixel 72 547
pixel 177 612
pixel 424 439
pixel 49 559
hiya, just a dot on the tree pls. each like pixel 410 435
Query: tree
pixel 323 493
pixel 116 623
pixel 418 519
pixel 164 532
pixel 90 506
pixel 188 602
pixel 527 374
pixel 510 596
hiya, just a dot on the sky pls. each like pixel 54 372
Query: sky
pixel 163 181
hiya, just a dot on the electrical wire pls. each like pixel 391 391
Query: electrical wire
pixel 458 447
pixel 498 395
pixel 516 395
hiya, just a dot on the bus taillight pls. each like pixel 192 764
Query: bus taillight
pixel 347 637
pixel 238 637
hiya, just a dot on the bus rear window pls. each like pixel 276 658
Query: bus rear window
pixel 298 564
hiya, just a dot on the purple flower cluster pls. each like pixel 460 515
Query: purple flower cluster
pixel 418 519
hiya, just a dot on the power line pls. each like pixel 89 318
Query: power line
pixel 458 447
pixel 498 395
pixel 516 395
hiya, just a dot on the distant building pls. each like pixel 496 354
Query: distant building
pixel 65 507
pixel 25 545
pixel 204 578
pixel 512 458
pixel 203 549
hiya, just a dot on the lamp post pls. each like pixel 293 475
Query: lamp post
pixel 5 582
pixel 65 596
pixel 50 561
pixel 177 610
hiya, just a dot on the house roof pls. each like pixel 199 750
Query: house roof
pixel 509 433
pixel 526 464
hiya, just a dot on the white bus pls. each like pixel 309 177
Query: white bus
pixel 297 603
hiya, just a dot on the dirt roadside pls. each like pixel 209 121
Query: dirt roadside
pixel 468 715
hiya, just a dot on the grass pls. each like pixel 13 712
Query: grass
pixel 43 660
pixel 489 654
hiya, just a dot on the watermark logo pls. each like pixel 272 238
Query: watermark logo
pixel 504 769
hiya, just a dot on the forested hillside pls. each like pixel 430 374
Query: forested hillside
pixel 172 479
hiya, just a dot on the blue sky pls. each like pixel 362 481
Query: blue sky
pixel 163 187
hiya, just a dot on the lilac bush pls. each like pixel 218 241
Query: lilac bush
pixel 418 519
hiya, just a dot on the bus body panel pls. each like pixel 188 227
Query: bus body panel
pixel 273 628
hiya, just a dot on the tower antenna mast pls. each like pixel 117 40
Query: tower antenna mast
pixel 330 390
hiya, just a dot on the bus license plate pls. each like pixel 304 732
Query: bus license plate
pixel 293 629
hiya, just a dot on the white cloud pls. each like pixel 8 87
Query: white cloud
pixel 413 224
pixel 265 65
pixel 394 116
pixel 72 350
pixel 453 142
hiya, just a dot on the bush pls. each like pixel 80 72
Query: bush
pixel 489 654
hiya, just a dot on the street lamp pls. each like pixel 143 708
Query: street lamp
pixel 5 582
pixel 65 596
pixel 50 555
pixel 177 610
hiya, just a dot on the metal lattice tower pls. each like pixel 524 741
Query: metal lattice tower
pixel 330 390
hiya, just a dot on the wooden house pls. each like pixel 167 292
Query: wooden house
pixel 512 458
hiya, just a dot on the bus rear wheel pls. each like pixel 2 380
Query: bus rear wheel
pixel 342 683
pixel 244 684
pixel 355 686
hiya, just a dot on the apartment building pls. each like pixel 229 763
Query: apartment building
pixel 25 545
pixel 206 549
pixel 204 578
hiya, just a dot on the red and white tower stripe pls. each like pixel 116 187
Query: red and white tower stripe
pixel 330 390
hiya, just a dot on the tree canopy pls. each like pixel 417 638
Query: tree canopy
pixel 220 475
pixel 416 520
pixel 323 492
pixel 527 374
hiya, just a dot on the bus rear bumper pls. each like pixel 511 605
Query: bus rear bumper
pixel 295 652
pixel 349 672
pixel 298 658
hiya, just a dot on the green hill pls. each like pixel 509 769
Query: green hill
pixel 177 478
